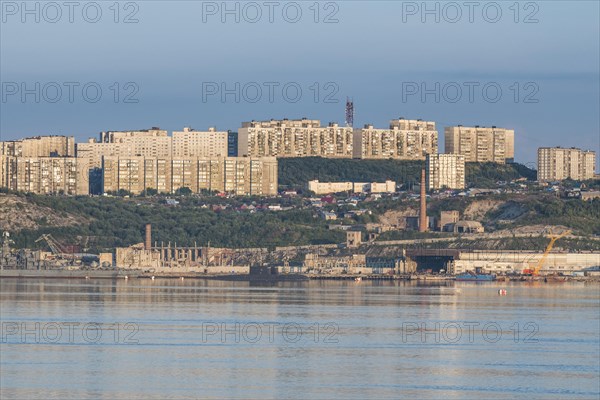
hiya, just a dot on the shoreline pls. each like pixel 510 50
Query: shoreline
pixel 132 274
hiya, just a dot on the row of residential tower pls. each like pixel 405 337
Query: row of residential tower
pixel 135 161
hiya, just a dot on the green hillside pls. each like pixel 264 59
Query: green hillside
pixel 296 172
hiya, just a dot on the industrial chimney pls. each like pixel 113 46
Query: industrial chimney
pixel 148 241
pixel 423 208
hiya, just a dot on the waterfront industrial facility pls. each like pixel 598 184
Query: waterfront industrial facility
pixel 352 258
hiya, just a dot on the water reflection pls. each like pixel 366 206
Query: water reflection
pixel 387 341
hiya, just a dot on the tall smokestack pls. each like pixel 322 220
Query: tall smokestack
pixel 423 210
pixel 148 241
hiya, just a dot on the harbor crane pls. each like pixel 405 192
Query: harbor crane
pixel 55 247
pixel 540 263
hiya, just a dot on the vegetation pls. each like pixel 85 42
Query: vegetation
pixel 486 175
pixel 296 172
pixel 115 222
pixel 583 216
pixel 120 222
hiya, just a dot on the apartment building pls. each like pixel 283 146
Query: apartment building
pixel 445 171
pixel 481 144
pixel 41 165
pixel 39 146
pixel 294 138
pixel 232 144
pixel 122 136
pixel 134 161
pixel 235 175
pixel 151 144
pixel 39 175
pixel 557 163
pixel 143 143
pixel 154 143
pixel 192 143
pixel 404 140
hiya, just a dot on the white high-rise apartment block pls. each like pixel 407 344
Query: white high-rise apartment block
pixel 143 143
pixel 39 146
pixel 557 163
pixel 191 143
pixel 294 138
pixel 235 175
pixel 151 143
pixel 404 140
pixel 445 171
pixel 40 175
pixel 481 144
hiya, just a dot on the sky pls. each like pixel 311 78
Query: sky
pixel 88 67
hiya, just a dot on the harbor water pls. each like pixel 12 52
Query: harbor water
pixel 184 339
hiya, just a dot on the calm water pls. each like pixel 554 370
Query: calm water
pixel 171 339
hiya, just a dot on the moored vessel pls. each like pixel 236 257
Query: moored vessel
pixel 475 277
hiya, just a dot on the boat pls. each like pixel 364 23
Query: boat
pixel 473 277
pixel 555 278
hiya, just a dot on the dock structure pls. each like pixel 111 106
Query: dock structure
pixel 173 257
pixel 158 257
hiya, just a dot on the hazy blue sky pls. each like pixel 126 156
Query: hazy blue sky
pixel 378 52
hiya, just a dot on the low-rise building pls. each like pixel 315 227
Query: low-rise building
pixel 329 187
pixel 351 264
pixel 590 195
pixel 353 238
pixel 380 187
pixel 507 262
pixel 358 264
pixel 412 222
pixel 329 215
pixel 354 187
pixel 468 227
pixel 447 219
